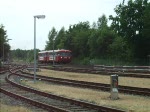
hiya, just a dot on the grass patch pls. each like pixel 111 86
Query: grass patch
pixel 127 102
pixel 126 81
pixel 8 108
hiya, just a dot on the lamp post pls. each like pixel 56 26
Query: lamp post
pixel 4 49
pixel 149 62
pixel 39 17
pixel 53 51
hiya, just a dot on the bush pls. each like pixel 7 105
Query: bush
pixel 0 64
pixel 111 62
pixel 81 61
pixel 85 61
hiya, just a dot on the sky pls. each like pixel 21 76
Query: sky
pixel 17 16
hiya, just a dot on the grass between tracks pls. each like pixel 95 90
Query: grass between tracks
pixel 127 102
pixel 126 81
pixel 8 108
pixel 8 104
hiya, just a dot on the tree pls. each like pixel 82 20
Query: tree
pixel 60 39
pixel 101 38
pixel 3 42
pixel 77 38
pixel 26 55
pixel 145 47
pixel 51 36
pixel 92 43
pixel 102 22
pixel 119 49
pixel 130 19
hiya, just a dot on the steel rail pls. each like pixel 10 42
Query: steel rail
pixel 28 100
pixel 105 71
pixel 3 70
pixel 76 102
pixel 33 102
pixel 72 101
pixel 92 85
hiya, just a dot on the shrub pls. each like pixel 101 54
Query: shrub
pixel 0 64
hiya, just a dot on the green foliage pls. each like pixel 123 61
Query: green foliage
pixel 51 37
pixel 131 18
pixel 24 55
pixel 0 64
pixel 86 61
pixel 3 43
pixel 105 39
pixel 99 43
pixel 117 44
pixel 92 43
pixel 77 39
pixel 60 39
pixel 81 61
pixel 120 49
pixel 101 38
pixel 111 61
pixel 145 40
pixel 102 22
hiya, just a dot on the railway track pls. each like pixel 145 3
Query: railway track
pixel 125 71
pixel 3 70
pixel 47 101
pixel 90 85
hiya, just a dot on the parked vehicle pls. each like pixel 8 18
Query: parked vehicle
pixel 58 56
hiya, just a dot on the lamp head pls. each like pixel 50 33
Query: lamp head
pixel 40 16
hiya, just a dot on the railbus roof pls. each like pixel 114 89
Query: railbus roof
pixel 48 51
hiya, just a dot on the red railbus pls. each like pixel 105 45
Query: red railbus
pixel 58 56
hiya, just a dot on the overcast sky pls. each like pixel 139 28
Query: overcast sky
pixel 17 17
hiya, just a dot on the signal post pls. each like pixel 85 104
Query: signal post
pixel 114 87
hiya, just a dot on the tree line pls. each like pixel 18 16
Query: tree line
pixel 4 46
pixel 127 38
pixel 6 54
pixel 23 55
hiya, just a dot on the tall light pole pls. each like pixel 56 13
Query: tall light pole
pixel 4 49
pixel 149 62
pixel 39 17
pixel 53 51
pixel 53 48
